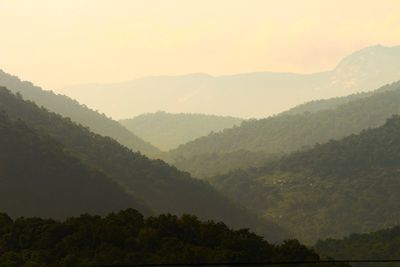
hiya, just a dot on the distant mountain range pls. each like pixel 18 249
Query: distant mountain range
pixel 244 95
pixel 167 131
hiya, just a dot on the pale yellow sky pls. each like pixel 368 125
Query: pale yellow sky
pixel 56 43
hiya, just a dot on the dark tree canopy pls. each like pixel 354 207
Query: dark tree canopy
pixel 127 238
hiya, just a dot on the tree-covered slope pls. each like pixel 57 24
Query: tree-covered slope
pixel 126 238
pixel 331 190
pixel 286 133
pixel 380 245
pixel 204 166
pixel 162 187
pixel 68 107
pixel 332 103
pixel 167 131
pixel 38 178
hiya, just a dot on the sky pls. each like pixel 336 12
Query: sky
pixel 57 43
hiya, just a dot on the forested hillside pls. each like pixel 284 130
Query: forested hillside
pixel 126 238
pixel 331 190
pixel 167 131
pixel 207 165
pixel 162 187
pixel 67 107
pixel 39 178
pixel 287 133
pixel 332 103
pixel 379 245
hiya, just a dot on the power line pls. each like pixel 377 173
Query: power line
pixel 266 263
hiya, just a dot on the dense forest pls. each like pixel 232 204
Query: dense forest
pixel 39 178
pixel 288 133
pixel 167 130
pixel 65 106
pixel 126 237
pixel 331 190
pixel 162 187
pixel 380 245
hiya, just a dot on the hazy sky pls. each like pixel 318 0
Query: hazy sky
pixel 55 43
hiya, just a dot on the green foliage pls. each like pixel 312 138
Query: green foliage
pixel 331 190
pixel 167 131
pixel 81 114
pixel 125 238
pixel 163 188
pixel 39 178
pixel 380 245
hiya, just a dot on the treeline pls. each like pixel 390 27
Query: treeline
pixel 126 237
pixel 379 245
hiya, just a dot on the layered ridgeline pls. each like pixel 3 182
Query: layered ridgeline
pixel 67 107
pixel 251 95
pixel 39 178
pixel 379 245
pixel 331 190
pixel 126 239
pixel 167 131
pixel 162 187
pixel 332 103
pixel 290 132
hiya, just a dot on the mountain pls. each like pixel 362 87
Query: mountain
pixel 162 187
pixel 39 178
pixel 380 245
pixel 247 95
pixel 286 133
pixel 207 165
pixel 68 107
pixel 167 131
pixel 331 190
pixel 332 103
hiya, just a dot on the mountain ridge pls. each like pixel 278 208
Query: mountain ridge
pixel 79 113
pixel 40 178
pixel 288 132
pixel 169 130
pixel 162 187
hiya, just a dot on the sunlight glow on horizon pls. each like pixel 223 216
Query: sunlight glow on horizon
pixel 59 43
